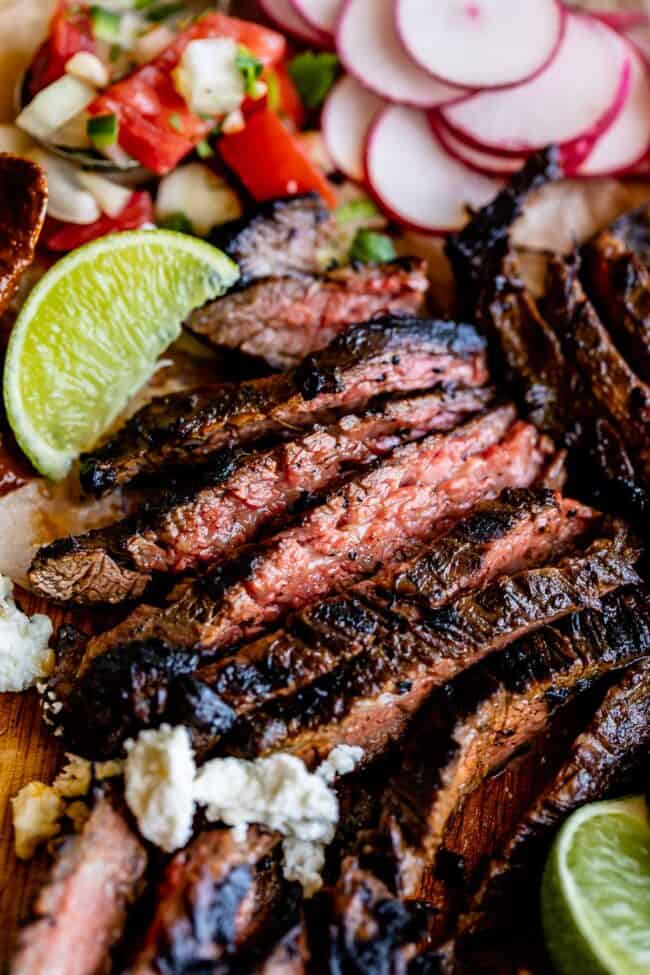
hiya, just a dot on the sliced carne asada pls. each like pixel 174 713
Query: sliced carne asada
pixel 234 498
pixel 519 530
pixel 81 910
pixel 290 956
pixel 633 229
pixel 387 355
pixel 283 319
pixel 23 200
pixel 281 237
pixel 618 390
pixel 211 904
pixel 479 721
pixel 614 742
pixel 476 252
pixel 619 285
pixel 371 698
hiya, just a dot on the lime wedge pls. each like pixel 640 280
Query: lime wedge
pixel 596 891
pixel 90 333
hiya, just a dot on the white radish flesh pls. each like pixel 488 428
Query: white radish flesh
pixel 627 140
pixel 481 43
pixel 481 161
pixel 348 114
pixel 321 14
pixel 578 90
pixel 415 180
pixel 370 48
pixel 286 17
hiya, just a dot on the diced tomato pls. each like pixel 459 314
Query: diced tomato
pixel 156 126
pixel 269 161
pixel 60 236
pixel 70 32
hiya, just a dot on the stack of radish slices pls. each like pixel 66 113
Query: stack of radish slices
pixel 444 99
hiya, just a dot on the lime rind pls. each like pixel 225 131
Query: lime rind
pixel 91 331
pixel 596 891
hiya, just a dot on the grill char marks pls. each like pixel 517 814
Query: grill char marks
pixel 217 897
pixel 384 514
pixel 518 530
pixel 81 910
pixel 618 390
pixel 619 285
pixel 283 319
pixel 282 237
pixel 614 742
pixel 391 354
pixel 633 230
pixel 232 500
pixel 488 713
pixel 368 701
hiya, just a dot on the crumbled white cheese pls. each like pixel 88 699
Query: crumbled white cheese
pixel 279 792
pixel 74 778
pixel 36 812
pixel 159 776
pixel 25 655
pixel 208 77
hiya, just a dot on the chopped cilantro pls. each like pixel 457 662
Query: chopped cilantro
pixel 250 67
pixel 313 75
pixel 106 24
pixel 178 222
pixel 369 247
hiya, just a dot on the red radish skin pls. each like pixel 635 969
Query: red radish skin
pixel 321 14
pixel 481 43
pixel 576 94
pixel 573 154
pixel 286 17
pixel 640 37
pixel 478 160
pixel 626 142
pixel 347 116
pixel 371 50
pixel 413 178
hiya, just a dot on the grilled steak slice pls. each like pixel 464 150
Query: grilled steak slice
pixel 476 252
pixel 281 237
pixel 387 355
pixel 614 742
pixel 633 229
pixel 289 957
pixel 23 199
pixel 519 530
pixel 618 390
pixel 370 699
pixel 488 713
pixel 283 319
pixel 82 909
pixel 368 931
pixel 619 285
pixel 217 897
pixel 233 499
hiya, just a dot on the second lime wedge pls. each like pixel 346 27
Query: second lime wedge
pixel 596 891
pixel 91 331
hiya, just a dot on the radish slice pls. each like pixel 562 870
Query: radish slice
pixel 640 36
pixel 481 43
pixel 627 141
pixel 489 164
pixel 579 91
pixel 370 48
pixel 347 116
pixel 321 14
pixel 287 18
pixel 415 180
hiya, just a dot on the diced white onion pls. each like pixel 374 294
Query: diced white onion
pixel 89 68
pixel 151 44
pixel 55 105
pixel 233 122
pixel 67 200
pixel 197 192
pixel 111 197
pixel 74 134
pixel 208 78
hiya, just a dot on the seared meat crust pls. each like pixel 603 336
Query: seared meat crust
pixel 23 200
pixel 392 354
